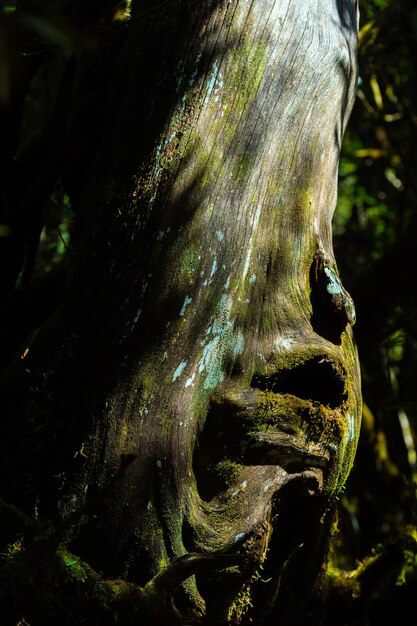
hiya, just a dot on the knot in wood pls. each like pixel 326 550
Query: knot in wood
pixel 331 288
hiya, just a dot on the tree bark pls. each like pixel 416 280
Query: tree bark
pixel 198 391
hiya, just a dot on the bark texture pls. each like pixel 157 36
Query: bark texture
pixel 199 386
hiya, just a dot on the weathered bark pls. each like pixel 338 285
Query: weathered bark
pixel 199 386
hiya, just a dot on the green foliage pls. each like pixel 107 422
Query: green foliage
pixel 376 168
pixel 375 229
pixel 55 236
pixel 8 7
pixel 372 7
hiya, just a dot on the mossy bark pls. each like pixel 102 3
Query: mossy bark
pixel 198 389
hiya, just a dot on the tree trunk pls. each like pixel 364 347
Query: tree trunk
pixel 198 389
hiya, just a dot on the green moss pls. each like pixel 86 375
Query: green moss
pixel 73 564
pixel 118 587
pixel 52 586
pixel 342 582
pixel 273 188
pixel 274 408
pixel 408 571
pixel 244 599
pixel 242 167
pixel 163 563
pixel 245 71
pixel 241 605
pixel 189 260
pixel 148 382
pixel 228 471
pixel 74 570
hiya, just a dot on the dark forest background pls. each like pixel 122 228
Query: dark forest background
pixel 375 229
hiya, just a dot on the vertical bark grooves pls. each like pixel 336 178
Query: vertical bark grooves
pixel 220 165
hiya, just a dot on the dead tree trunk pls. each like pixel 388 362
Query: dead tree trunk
pixel 198 388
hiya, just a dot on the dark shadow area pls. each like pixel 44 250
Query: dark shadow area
pixel 116 98
pixel 329 315
pixel 348 12
pixel 298 541
pixel 317 380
